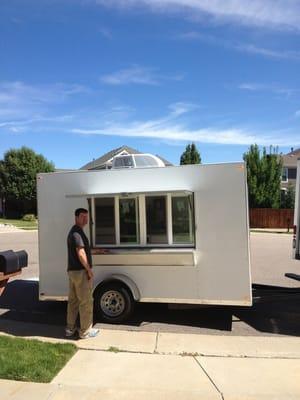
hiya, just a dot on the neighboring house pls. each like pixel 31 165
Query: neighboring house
pixel 289 171
pixel 105 161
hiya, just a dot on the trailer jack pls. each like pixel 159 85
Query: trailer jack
pixel 4 280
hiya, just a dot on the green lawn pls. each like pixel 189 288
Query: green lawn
pixel 32 360
pixel 19 223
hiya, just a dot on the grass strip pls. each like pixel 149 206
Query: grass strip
pixel 18 223
pixel 32 360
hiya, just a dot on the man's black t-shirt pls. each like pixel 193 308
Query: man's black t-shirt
pixel 77 238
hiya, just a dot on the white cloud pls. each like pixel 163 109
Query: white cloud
pixel 241 47
pixel 282 14
pixel 105 32
pixel 282 54
pixel 137 75
pixel 23 105
pixel 261 87
pixel 13 93
pixel 230 136
pixel 169 128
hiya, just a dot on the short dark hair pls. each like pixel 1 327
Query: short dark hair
pixel 79 211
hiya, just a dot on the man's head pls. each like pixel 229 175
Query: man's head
pixel 81 217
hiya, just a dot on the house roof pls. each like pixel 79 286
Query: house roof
pixel 104 160
pixel 290 159
pixel 101 161
pixel 166 162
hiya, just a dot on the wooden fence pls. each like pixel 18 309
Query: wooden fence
pixel 271 218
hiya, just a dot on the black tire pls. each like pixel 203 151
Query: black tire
pixel 113 303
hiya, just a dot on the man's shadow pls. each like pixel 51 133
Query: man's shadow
pixel 20 303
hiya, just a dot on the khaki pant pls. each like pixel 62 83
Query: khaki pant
pixel 80 300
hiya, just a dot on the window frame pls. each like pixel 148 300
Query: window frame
pixel 117 216
pixel 93 221
pixel 191 221
pixel 142 221
pixel 286 174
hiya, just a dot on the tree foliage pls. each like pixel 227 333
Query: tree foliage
pixel 264 177
pixel 18 171
pixel 191 155
pixel 288 197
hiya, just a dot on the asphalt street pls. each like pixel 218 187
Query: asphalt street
pixel 270 260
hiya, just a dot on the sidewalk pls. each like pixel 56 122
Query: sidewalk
pixel 4 228
pixel 148 365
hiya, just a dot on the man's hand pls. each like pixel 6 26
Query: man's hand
pixel 90 274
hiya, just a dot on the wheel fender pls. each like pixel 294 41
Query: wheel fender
pixel 127 281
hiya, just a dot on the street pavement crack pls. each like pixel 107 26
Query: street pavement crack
pixel 156 342
pixel 211 380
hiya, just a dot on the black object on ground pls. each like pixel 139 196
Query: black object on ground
pixel 292 276
pixel 11 261
pixel 269 293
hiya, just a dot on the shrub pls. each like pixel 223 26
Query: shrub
pixel 29 217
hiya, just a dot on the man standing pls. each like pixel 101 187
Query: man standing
pixel 80 279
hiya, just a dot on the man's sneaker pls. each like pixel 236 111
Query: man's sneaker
pixel 91 333
pixel 70 332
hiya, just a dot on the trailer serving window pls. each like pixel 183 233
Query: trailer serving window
pixel 151 220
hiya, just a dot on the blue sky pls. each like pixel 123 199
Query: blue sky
pixel 81 77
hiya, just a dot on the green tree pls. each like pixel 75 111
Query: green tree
pixel 191 155
pixel 288 198
pixel 264 177
pixel 18 171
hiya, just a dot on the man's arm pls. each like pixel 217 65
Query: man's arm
pixel 84 261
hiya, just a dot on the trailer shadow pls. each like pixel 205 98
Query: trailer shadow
pixel 277 317
pixel 161 317
pixel 20 303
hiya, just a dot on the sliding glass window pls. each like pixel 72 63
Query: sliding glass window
pixel 129 221
pixel 105 232
pixel 182 219
pixel 156 216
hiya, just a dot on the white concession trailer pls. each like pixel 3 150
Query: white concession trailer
pixel 296 237
pixel 172 235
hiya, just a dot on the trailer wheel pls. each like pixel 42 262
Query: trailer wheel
pixel 113 303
